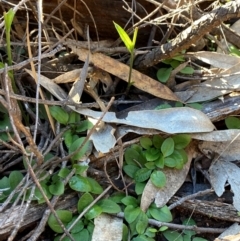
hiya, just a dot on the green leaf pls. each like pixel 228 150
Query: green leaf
pixel 64 172
pixel 181 140
pixel 172 235
pixel 189 222
pixel 151 232
pixel 234 50
pixel 125 233
pixel 117 197
pixel 152 154
pixel 131 156
pixel 139 187
pixel 84 125
pixel 74 117
pixel 163 228
pixel 161 214
pixel 80 184
pixel 64 215
pixel 130 201
pixel 38 195
pixel 167 147
pixel 77 227
pixel 163 106
pixel 163 74
pixel 130 170
pixel 158 178
pixel 157 141
pixel 125 38
pixel 15 178
pixel 108 206
pixel 232 122
pixel 84 201
pixel 95 187
pixel 187 70
pixel 196 106
pixel 142 223
pixel 186 238
pixel 131 213
pixel 160 162
pixel 69 138
pixel 8 18
pixel 178 159
pixel 184 156
pixel 199 239
pixel 145 142
pixel 150 165
pixel 57 188
pixel 75 145
pixel 59 114
pixel 83 235
pixel 80 169
pixel 142 175
pixel 94 212
pixel 170 162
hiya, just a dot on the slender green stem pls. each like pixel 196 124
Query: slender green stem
pixel 130 72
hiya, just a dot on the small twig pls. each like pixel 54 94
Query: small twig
pixel 179 226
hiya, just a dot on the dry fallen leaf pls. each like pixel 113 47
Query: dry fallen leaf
pixel 121 70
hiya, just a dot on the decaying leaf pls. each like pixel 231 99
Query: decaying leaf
pixel 107 228
pixel 121 70
pixel 222 171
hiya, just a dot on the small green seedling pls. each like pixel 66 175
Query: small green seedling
pixel 130 45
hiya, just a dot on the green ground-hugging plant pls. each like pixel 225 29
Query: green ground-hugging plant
pixel 147 159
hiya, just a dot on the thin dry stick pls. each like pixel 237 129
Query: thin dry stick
pixel 21 216
pixel 86 210
pixel 182 200
pixel 179 226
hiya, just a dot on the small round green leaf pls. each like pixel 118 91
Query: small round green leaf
pixel 64 172
pixel 131 156
pixel 80 184
pixel 167 147
pixel 199 239
pixel 163 74
pixel 83 235
pixel 172 235
pixel 77 227
pixel 160 162
pixel 95 187
pixel 130 170
pixel 181 140
pixel 232 122
pixel 142 223
pixel 57 188
pixel 170 162
pixel 15 178
pixel 139 187
pixel 152 154
pixel 64 215
pixel 109 206
pixel 142 175
pixel 84 125
pixel 161 214
pixel 130 201
pixel 158 178
pixel 131 213
pixel 157 141
pixel 75 145
pixel 145 142
pixel 187 70
pixel 84 201
pixel 93 212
